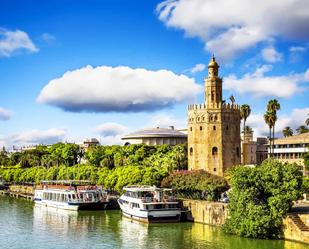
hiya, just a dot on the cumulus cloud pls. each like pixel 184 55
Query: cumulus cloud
pixel 259 85
pixel 5 114
pixel 39 136
pixel 197 68
pixel 228 27
pixel 13 41
pixel 271 55
pixel 29 137
pixel 164 120
pixel 294 119
pixel 110 129
pixel 117 89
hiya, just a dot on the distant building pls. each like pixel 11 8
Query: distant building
pixel 253 152
pixel 90 142
pixel 291 149
pixel 213 128
pixel 156 136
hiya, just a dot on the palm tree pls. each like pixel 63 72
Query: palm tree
pixel 270 119
pixel 287 131
pixel 302 129
pixel 307 120
pixel 273 106
pixel 248 129
pixel 245 112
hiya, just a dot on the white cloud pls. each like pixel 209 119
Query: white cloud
pixel 259 84
pixel 29 137
pixel 12 41
pixel 197 68
pixel 117 89
pixel 294 119
pixel 164 120
pixel 110 129
pixel 298 49
pixel 48 38
pixel 271 55
pixel 228 27
pixel 5 114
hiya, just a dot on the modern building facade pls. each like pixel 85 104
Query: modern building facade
pixel 213 129
pixel 156 136
pixel 291 149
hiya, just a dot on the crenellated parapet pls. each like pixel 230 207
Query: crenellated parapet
pixel 220 106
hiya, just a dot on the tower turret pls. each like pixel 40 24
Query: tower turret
pixel 213 84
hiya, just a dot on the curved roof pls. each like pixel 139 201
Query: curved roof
pixel 156 132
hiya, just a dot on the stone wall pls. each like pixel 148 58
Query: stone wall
pixel 292 232
pixel 212 213
pixel 22 189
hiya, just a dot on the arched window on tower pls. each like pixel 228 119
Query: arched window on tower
pixel 212 96
pixel 191 151
pixel 214 151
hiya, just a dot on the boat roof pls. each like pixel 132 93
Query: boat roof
pixel 144 188
pixel 66 182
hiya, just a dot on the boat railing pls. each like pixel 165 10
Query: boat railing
pixel 153 199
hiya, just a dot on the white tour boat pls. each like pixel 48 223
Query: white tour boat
pixel 149 204
pixel 70 195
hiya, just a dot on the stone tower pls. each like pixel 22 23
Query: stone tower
pixel 213 128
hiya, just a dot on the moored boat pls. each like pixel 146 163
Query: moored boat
pixel 70 195
pixel 149 204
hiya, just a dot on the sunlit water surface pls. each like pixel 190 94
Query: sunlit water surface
pixel 24 225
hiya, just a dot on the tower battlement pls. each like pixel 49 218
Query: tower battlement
pixel 221 106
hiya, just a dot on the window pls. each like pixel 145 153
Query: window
pixel 214 151
pixel 214 127
pixel 237 151
pixel 190 128
pixel 201 128
pixel 227 127
pixel 191 151
pixel 215 169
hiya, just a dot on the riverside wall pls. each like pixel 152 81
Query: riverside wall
pixel 211 213
pixel 216 213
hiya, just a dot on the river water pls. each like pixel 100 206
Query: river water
pixel 24 225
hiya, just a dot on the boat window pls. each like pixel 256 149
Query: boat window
pixel 69 196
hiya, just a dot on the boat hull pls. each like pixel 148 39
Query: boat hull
pixel 73 206
pixel 151 216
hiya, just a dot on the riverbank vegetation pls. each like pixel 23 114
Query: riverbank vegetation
pixel 261 196
pixel 111 166
pixel 197 184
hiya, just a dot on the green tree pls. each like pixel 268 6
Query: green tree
pixel 273 106
pixel 261 197
pixel 302 129
pixel 287 131
pixel 307 120
pixel 270 119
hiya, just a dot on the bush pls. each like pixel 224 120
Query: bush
pixel 261 197
pixel 197 184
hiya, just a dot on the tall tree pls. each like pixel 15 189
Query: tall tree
pixel 287 131
pixel 273 106
pixel 270 119
pixel 302 129
pixel 307 120
pixel 245 112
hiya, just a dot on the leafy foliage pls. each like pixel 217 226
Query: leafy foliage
pixel 197 184
pixel 261 197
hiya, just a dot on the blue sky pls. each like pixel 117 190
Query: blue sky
pixel 142 58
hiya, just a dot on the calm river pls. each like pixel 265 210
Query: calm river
pixel 24 225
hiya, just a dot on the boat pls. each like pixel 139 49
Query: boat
pixel 70 195
pixel 149 204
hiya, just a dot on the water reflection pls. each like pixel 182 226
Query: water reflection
pixel 39 227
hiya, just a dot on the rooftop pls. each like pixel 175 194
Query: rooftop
pixel 297 139
pixel 156 132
